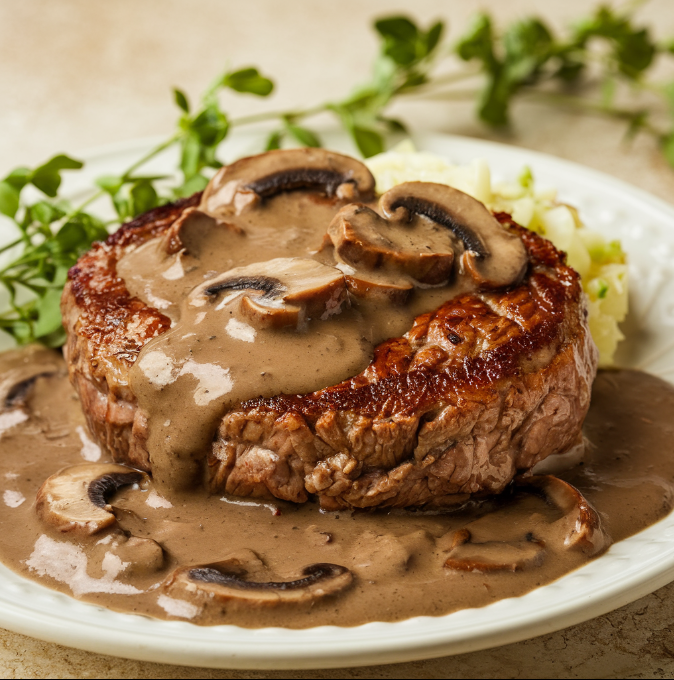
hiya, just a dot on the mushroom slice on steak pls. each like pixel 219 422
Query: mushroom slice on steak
pixel 423 229
pixel 251 180
pixel 226 585
pixel 376 285
pixel 417 248
pixel 76 498
pixel 580 527
pixel 277 293
pixel 492 256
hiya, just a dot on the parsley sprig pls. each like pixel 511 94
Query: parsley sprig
pixel 599 66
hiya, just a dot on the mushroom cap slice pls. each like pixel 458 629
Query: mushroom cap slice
pixel 75 499
pixel 423 228
pixel 280 292
pixel 230 586
pixel 375 286
pixel 141 555
pixel 251 180
pixel 489 545
pixel 488 556
pixel 492 256
pixel 416 248
pixel 27 366
pixel 581 527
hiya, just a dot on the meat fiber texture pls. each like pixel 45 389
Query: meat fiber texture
pixel 477 392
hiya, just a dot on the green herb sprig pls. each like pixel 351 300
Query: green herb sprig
pixel 599 61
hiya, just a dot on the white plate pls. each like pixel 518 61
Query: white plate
pixel 628 571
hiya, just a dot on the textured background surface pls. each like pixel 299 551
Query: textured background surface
pixel 76 74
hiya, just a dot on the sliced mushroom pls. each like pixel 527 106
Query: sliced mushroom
pixel 227 583
pixel 544 515
pixel 76 498
pixel 492 256
pixel 580 527
pixel 278 293
pixel 424 227
pixel 469 555
pixel 256 178
pixel 141 556
pixel 17 395
pixel 24 368
pixel 419 249
pixel 376 285
pixel 382 555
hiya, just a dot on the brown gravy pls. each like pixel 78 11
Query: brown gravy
pixel 397 558
pixel 214 357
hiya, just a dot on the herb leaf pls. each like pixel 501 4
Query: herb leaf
pixel 47 178
pixel 181 100
pixel 369 142
pixel 274 140
pixel 9 199
pixel 143 197
pixel 250 81
pixel 302 135
pixel 478 42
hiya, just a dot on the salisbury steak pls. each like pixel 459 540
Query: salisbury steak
pixel 478 390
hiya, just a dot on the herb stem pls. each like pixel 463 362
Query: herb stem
pixel 151 154
pixel 155 151
pixel 448 95
pixel 578 103
pixel 441 81
pixel 273 115
pixel 75 211
pixel 9 246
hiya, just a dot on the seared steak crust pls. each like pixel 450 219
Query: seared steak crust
pixel 478 390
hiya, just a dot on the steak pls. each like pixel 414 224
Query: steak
pixel 478 391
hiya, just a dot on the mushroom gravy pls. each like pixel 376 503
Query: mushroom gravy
pixel 180 554
pixel 266 299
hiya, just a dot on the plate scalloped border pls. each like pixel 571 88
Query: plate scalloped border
pixel 629 570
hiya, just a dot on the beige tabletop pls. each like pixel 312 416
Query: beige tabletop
pixel 77 74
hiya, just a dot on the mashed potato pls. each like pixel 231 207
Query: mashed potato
pixel 600 263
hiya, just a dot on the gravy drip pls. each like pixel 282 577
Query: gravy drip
pixel 397 558
pixel 213 357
